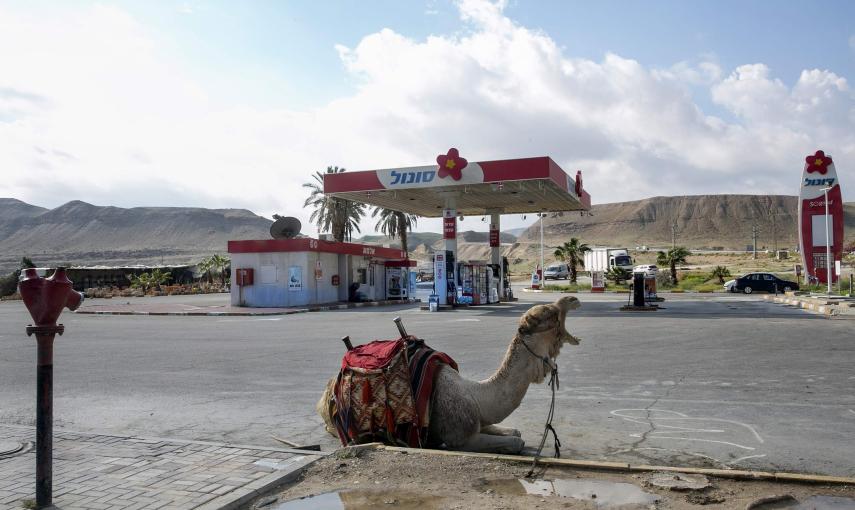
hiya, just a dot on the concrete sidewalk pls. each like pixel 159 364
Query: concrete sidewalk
pixel 118 306
pixel 92 471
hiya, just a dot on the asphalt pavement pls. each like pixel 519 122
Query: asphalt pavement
pixel 710 380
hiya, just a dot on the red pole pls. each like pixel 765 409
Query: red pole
pixel 44 411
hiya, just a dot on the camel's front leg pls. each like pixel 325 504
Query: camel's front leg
pixel 496 430
pixel 485 443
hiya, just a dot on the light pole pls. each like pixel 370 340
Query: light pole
pixel 542 269
pixel 827 242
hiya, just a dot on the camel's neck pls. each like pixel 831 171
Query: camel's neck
pixel 502 393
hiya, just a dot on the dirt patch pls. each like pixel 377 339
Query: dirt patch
pixel 399 480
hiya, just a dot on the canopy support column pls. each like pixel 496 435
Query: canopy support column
pixel 449 236
pixel 496 249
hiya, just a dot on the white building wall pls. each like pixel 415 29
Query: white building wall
pixel 271 287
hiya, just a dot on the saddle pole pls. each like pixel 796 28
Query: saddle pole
pixel 398 322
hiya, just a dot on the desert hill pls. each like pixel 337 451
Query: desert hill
pixel 700 222
pixel 82 233
pixel 703 221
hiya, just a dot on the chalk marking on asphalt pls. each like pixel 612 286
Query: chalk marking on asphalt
pixel 740 459
pixel 680 416
pixel 851 411
pixel 743 447
pixel 466 320
pixel 684 430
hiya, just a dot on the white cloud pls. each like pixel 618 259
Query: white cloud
pixel 92 104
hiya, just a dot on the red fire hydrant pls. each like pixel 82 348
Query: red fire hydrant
pixel 45 298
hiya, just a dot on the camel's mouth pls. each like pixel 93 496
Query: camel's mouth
pixel 564 305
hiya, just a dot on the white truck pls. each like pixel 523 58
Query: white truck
pixel 603 259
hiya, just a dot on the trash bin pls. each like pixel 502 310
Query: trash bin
pixel 433 302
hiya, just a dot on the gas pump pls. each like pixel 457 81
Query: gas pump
pixel 443 280
pixel 396 282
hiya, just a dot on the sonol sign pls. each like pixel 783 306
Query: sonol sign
pixel 449 224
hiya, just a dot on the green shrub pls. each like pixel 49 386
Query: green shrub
pixel 9 283
pixel 567 288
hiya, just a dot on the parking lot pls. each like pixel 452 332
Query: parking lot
pixel 713 380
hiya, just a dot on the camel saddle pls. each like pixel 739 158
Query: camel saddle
pixel 383 392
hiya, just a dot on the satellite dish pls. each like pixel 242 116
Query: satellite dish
pixel 285 228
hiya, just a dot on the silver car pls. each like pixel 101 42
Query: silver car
pixel 556 272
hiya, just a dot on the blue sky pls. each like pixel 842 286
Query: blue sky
pixel 291 44
pixel 167 103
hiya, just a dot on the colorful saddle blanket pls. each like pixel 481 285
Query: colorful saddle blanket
pixel 383 392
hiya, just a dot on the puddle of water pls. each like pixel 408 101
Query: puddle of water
pixel 601 493
pixel 362 499
pixel 327 501
pixel 826 503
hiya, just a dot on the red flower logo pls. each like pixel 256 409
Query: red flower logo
pixel 451 164
pixel 818 163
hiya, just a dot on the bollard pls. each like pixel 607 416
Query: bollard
pixel 45 298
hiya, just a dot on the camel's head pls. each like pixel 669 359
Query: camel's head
pixel 545 324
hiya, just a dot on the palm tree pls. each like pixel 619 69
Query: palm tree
pixel 673 257
pixel 159 277
pixel 146 281
pixel 220 264
pixel 394 224
pixel 336 215
pixel 205 266
pixel 572 253
pixel 721 273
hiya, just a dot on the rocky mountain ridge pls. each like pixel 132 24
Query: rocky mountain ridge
pixel 701 222
pixel 82 233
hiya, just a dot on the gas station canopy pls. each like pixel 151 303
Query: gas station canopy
pixel 507 186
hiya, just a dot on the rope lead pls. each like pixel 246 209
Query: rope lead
pixel 547 428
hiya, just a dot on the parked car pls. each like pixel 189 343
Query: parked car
pixel 556 272
pixel 759 282
pixel 647 269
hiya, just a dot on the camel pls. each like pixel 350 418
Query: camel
pixel 464 413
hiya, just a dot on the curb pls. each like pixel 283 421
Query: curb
pixel 238 498
pixel 290 311
pixel 622 291
pixel 824 310
pixel 735 474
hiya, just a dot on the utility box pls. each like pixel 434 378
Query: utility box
pixel 244 277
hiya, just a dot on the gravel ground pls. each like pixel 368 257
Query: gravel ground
pixel 400 480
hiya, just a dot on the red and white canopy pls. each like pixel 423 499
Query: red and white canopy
pixel 507 186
